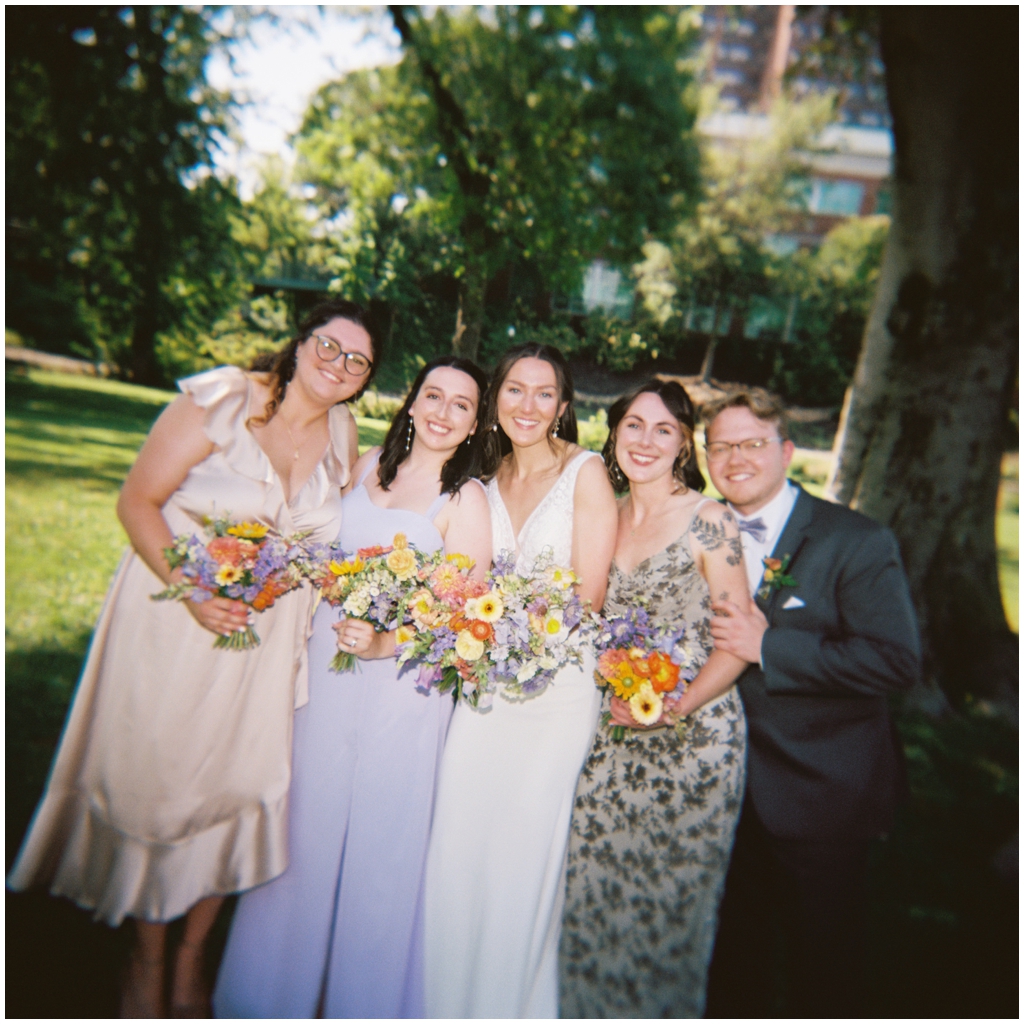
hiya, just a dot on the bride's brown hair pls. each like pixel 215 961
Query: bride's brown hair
pixel 496 444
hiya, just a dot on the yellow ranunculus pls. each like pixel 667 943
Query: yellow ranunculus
pixel 468 647
pixel 250 531
pixel 400 543
pixel 404 634
pixel 646 705
pixel 401 561
pixel 460 561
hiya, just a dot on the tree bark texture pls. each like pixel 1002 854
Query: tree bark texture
pixel 474 184
pixel 921 434
pixel 472 287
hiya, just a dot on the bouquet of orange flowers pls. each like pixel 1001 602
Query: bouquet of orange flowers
pixel 449 629
pixel 372 585
pixel 241 561
pixel 641 665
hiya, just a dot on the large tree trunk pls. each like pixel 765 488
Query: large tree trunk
pixel 921 435
pixel 469 321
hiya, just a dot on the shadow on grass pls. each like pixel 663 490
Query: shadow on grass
pixel 944 935
pixel 60 962
pixel 38 691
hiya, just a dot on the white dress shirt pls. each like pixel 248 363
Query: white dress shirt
pixel 774 515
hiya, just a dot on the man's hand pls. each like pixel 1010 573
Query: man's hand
pixel 738 632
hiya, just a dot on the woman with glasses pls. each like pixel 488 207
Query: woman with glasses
pixel 170 786
pixel 339 934
pixel 656 812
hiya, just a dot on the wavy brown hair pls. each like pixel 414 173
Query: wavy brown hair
pixel 281 364
pixel 496 443
pixel 685 469
pixel 464 463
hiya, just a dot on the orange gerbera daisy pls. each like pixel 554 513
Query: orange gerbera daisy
pixel 481 630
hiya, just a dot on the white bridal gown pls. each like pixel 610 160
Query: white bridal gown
pixel 496 862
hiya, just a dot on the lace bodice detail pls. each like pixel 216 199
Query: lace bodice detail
pixel 549 525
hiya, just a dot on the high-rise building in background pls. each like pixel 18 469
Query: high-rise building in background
pixel 748 50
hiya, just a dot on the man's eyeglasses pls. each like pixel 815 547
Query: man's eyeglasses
pixel 718 450
pixel 329 350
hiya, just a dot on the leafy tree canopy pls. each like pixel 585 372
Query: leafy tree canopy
pixel 538 135
pixel 109 119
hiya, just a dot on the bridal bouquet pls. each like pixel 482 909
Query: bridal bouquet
pixel 641 664
pixel 537 633
pixel 241 561
pixel 449 629
pixel 370 585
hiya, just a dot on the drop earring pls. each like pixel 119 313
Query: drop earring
pixel 408 436
pixel 554 429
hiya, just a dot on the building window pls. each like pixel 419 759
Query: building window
pixel 603 288
pixel 781 245
pixel 838 198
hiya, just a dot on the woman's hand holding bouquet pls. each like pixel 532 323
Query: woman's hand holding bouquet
pixel 372 585
pixel 242 562
pixel 645 669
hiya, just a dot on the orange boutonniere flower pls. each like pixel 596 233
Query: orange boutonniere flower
pixel 775 575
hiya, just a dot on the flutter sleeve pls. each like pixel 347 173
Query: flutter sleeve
pixel 223 394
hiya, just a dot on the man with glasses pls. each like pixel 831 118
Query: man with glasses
pixel 832 634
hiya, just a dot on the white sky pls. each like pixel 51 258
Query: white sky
pixel 284 61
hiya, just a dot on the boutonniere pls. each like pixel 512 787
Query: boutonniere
pixel 776 575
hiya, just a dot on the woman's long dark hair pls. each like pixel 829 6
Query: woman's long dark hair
pixel 496 443
pixel 281 364
pixel 685 469
pixel 464 463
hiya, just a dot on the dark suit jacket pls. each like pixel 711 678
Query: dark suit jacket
pixel 821 759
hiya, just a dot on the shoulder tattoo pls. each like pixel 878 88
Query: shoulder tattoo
pixel 712 536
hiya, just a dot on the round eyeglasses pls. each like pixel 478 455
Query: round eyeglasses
pixel 329 350
pixel 718 450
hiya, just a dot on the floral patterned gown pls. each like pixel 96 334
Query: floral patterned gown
pixel 652 830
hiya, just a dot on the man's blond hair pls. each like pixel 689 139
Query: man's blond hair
pixel 762 404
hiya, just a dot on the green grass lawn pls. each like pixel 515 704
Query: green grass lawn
pixel 944 926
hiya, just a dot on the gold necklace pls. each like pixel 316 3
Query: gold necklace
pixel 291 438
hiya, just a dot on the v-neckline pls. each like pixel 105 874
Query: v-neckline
pixel 536 508
pixel 671 544
pixel 277 476
pixel 668 547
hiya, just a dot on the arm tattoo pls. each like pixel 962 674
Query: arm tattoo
pixel 736 547
pixel 734 542
pixel 712 536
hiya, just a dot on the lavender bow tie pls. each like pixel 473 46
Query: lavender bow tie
pixel 755 527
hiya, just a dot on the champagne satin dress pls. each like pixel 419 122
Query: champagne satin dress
pixel 171 780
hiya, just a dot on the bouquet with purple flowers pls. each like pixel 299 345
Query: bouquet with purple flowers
pixel 538 631
pixel 241 561
pixel 449 629
pixel 642 664
pixel 371 585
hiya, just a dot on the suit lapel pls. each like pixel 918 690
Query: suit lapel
pixel 791 540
